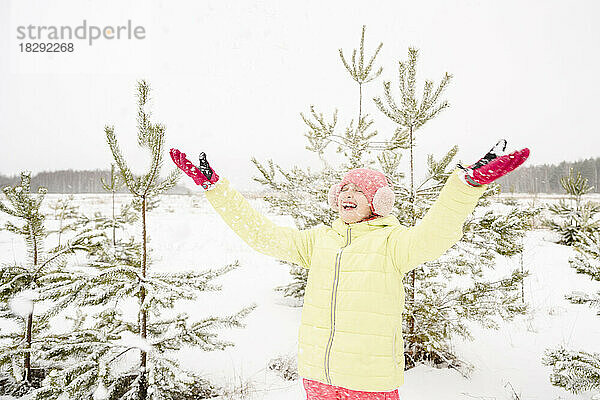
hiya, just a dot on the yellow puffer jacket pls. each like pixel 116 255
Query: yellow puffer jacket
pixel 351 327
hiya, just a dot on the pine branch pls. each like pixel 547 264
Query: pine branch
pixel 169 182
pixel 157 143
pixel 357 71
pixel 410 115
pixel 126 173
pixel 143 116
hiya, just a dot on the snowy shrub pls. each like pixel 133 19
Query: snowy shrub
pixel 67 214
pixel 295 289
pixel 573 221
pixel 575 371
pixel 578 371
pixel 587 261
pixel 11 387
pixel 237 388
pixel 285 366
pixel 196 202
pixel 584 298
pixel 509 201
pixel 576 219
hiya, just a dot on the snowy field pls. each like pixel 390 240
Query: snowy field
pixel 185 233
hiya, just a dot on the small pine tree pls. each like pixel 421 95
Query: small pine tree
pixel 66 213
pixel 145 188
pixel 587 259
pixel 577 371
pixel 574 371
pixel 576 218
pixel 90 362
pixel 442 307
pixel 121 272
pixel 127 215
pixel 25 284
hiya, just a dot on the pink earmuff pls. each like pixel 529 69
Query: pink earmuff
pixel 332 197
pixel 383 201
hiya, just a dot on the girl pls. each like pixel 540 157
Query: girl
pixel 350 338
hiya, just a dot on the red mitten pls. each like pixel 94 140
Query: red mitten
pixel 202 175
pixel 494 165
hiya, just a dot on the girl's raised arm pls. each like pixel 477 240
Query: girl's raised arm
pixel 284 243
pixel 442 226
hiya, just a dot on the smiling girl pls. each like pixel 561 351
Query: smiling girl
pixel 350 342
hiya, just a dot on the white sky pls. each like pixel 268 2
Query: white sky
pixel 230 78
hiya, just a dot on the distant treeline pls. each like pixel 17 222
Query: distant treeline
pixel 534 179
pixel 546 178
pixel 71 181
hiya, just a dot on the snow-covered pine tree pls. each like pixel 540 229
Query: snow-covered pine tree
pixel 148 186
pixel 409 117
pixel 24 284
pixel 441 307
pixel 587 259
pixel 578 371
pixel 303 193
pixel 104 369
pixel 94 358
pixel 574 219
pixel 575 371
pixel 126 216
pixel 435 309
pixel 66 213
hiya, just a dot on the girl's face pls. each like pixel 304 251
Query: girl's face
pixel 353 204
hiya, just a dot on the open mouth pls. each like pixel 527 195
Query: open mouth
pixel 348 206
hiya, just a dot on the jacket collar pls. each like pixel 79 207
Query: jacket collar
pixel 360 228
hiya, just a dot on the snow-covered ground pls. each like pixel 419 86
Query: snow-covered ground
pixel 186 233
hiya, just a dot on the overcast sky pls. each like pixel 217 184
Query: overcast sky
pixel 231 77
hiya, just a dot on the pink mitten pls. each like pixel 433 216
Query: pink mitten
pixel 202 175
pixel 494 165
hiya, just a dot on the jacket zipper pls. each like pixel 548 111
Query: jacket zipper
pixel 336 275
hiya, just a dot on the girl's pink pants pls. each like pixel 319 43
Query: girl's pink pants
pixel 321 391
